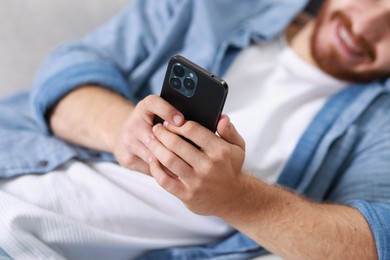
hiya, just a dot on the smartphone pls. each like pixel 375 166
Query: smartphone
pixel 198 94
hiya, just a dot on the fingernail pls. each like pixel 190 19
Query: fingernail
pixel 155 127
pixel 228 118
pixel 177 120
pixel 165 123
pixel 150 159
pixel 148 139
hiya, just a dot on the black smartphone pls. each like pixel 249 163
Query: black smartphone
pixel 195 92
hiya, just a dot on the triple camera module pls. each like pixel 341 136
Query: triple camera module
pixel 183 79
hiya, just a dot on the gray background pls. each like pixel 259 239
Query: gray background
pixel 29 29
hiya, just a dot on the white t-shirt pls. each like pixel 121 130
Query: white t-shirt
pixel 273 96
pixel 96 211
pixel 101 210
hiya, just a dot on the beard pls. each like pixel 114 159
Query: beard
pixel 327 58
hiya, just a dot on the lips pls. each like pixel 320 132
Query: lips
pixel 348 42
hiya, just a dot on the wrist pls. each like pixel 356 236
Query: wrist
pixel 255 203
pixel 89 116
pixel 242 200
pixel 115 117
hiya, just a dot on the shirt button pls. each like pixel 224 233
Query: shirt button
pixel 43 163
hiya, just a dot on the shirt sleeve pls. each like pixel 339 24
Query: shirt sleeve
pixel 365 181
pixel 378 217
pixel 106 57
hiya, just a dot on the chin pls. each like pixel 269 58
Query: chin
pixel 328 60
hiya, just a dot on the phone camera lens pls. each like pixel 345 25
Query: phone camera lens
pixel 189 84
pixel 178 71
pixel 175 83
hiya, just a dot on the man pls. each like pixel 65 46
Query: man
pixel 329 143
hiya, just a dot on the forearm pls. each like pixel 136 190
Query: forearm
pixel 90 116
pixel 296 228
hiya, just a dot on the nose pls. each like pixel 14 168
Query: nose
pixel 372 22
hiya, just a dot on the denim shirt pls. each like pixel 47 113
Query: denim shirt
pixel 343 156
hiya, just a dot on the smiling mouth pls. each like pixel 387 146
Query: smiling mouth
pixel 348 42
pixel 353 45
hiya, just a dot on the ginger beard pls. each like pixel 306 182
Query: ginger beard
pixel 329 59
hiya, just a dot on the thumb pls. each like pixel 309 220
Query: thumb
pixel 228 132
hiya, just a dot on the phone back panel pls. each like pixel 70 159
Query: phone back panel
pixel 206 103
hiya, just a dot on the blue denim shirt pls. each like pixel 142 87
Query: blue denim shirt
pixel 342 157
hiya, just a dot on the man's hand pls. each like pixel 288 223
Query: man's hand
pixel 129 145
pixel 205 179
pixel 97 118
pixel 210 182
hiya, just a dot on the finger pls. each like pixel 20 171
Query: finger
pixel 170 183
pixel 141 149
pixel 140 166
pixel 169 159
pixel 228 132
pixel 134 158
pixel 198 134
pixel 132 138
pixel 182 148
pixel 155 105
pixel 142 155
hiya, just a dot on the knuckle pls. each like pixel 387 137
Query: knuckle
pixel 126 143
pixel 149 100
pixel 169 161
pixel 173 142
pixel 166 182
pixel 193 195
pixel 129 161
pixel 145 154
pixel 126 138
pixel 243 143
pixel 190 127
pixel 223 152
pixel 190 196
pixel 206 166
pixel 162 181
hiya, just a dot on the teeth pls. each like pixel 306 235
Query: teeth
pixel 345 36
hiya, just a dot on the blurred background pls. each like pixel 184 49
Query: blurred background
pixel 30 29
